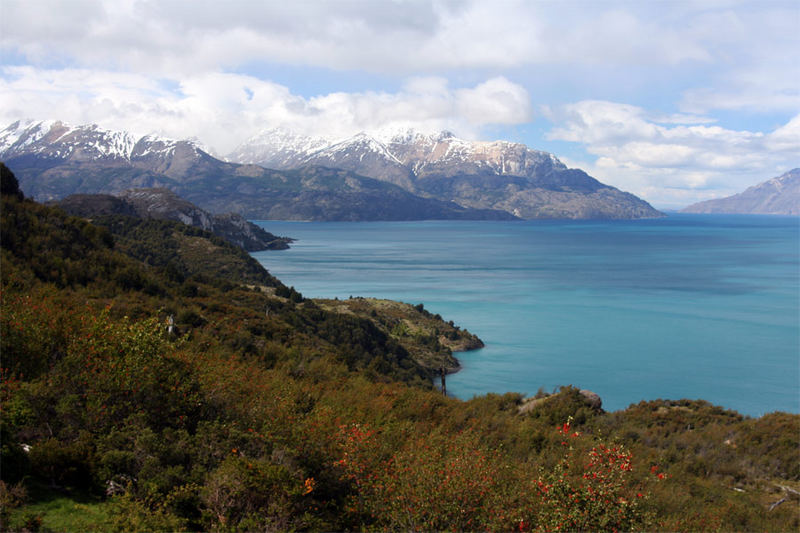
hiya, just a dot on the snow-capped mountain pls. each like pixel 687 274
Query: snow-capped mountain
pixel 485 175
pixel 55 142
pixel 364 155
pixel 398 156
pixel 58 141
pixel 277 148
pixel 480 179
pixel 445 154
pixel 53 160
pixel 176 159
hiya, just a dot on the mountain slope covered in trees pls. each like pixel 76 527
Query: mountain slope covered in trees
pixel 163 204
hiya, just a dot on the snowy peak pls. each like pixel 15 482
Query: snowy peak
pixel 361 145
pixel 364 155
pixel 477 174
pixel 151 148
pixel 409 135
pixel 277 148
pixel 402 152
pixel 57 140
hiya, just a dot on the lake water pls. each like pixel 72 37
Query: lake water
pixel 689 306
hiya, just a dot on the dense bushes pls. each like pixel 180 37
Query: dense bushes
pixel 210 441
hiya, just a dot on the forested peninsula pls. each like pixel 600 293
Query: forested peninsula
pixel 156 378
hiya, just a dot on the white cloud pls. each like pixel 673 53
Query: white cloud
pixel 221 110
pixel 165 65
pixel 163 36
pixel 786 138
pixel 668 163
pixel 757 58
pixel 496 101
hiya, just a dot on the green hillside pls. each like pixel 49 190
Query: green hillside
pixel 263 410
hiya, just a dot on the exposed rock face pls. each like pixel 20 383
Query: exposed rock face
pixel 166 205
pixel 484 175
pixel 243 233
pixel 443 154
pixel 163 204
pixel 778 196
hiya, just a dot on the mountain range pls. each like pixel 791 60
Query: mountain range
pixel 488 175
pixel 281 175
pixel 778 196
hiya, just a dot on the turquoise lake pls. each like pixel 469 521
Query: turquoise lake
pixel 688 306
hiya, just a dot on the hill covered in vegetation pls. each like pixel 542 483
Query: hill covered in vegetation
pixel 146 389
pixel 163 204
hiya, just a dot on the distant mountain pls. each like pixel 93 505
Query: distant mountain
pixel 485 175
pixel 53 160
pixel 778 196
pixel 163 204
pixel 277 148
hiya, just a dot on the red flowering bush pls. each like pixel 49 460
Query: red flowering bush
pixel 591 489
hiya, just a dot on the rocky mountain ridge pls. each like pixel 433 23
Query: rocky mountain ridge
pixel 777 196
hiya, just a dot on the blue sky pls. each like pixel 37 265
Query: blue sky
pixel 674 101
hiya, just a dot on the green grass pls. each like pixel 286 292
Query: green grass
pixel 60 512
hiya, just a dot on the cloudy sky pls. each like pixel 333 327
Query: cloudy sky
pixel 674 101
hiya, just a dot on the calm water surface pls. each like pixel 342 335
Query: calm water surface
pixel 690 306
